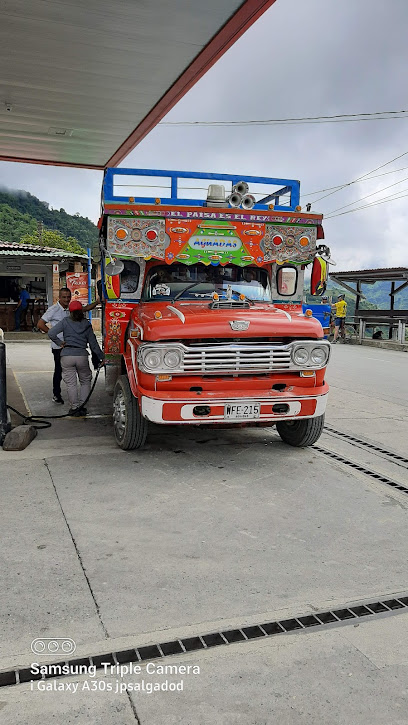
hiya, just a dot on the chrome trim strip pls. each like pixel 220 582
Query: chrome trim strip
pixel 177 312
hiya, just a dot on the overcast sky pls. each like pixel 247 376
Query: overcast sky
pixel 302 58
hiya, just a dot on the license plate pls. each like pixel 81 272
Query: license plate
pixel 242 410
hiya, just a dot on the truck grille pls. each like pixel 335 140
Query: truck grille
pixel 236 358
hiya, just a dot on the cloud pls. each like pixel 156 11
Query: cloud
pixel 319 57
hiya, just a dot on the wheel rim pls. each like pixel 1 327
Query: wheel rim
pixel 119 415
pixel 293 424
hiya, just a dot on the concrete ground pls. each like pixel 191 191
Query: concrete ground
pixel 206 530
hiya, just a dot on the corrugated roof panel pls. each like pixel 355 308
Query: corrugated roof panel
pixel 79 77
pixel 11 249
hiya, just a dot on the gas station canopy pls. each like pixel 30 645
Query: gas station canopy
pixel 82 83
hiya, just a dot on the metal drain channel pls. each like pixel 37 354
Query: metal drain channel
pixel 368 472
pixel 214 639
pixel 394 456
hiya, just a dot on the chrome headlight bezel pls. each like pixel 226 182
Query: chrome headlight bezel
pixel 161 351
pixel 310 346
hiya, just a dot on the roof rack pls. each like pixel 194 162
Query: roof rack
pixel 164 187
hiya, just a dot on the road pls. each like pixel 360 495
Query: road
pixel 207 531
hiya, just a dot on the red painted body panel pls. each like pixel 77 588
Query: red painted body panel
pixel 202 322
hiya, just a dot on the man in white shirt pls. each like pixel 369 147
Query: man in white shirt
pixel 55 314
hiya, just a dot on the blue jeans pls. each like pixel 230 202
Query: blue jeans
pixel 17 317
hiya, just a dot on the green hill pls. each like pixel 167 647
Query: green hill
pixel 14 224
pixel 20 213
pixel 377 297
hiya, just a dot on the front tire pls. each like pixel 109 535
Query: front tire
pixel 301 433
pixel 129 426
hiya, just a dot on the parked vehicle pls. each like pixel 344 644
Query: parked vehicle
pixel 321 312
pixel 203 320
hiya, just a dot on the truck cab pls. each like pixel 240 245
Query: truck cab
pixel 202 305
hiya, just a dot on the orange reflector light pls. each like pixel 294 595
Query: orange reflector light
pixel 131 199
pixel 158 314
pixel 242 298
pixel 157 201
pixel 308 313
pixel 164 377
pixel 215 296
pixel 298 208
pixel 271 206
pixel 121 234
pixel 304 241
pixel 307 374
pixel 135 333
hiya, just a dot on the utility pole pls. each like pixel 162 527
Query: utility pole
pixel 4 421
pixel 89 280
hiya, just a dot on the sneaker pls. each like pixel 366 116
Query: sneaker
pixel 58 399
pixel 80 412
pixel 73 411
pixel 334 342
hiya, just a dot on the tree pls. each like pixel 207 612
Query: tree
pixel 13 224
pixel 54 239
pixel 75 225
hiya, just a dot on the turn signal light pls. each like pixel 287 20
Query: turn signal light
pixel 162 378
pixel 307 374
pixel 308 313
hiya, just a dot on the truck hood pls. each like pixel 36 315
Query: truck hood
pixel 182 320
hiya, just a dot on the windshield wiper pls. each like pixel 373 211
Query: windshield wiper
pixel 247 299
pixel 189 286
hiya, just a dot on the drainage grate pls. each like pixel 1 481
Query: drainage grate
pixel 362 469
pixel 394 456
pixel 216 639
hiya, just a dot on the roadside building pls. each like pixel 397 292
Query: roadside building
pixel 42 270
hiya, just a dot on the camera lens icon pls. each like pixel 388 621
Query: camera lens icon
pixel 53 645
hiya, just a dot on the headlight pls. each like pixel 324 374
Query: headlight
pixel 160 358
pixel 172 359
pixel 301 356
pixel 152 359
pixel 318 355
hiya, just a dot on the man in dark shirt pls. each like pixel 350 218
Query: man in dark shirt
pixel 21 307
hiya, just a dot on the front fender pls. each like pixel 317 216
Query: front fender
pixel 131 365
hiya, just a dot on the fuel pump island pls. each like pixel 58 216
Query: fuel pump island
pixel 202 305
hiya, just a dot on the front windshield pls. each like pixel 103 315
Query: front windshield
pixel 196 282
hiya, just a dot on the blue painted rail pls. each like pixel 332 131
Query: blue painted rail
pixel 278 187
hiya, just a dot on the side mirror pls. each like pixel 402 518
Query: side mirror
pixel 318 279
pixel 112 278
pixel 286 281
pixel 115 266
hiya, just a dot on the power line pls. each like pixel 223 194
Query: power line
pixel 364 176
pixel 367 206
pixel 367 196
pixel 340 118
pixel 341 186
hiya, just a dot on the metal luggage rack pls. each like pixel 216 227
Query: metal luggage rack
pixel 163 186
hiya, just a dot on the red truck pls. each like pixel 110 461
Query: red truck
pixel 202 304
